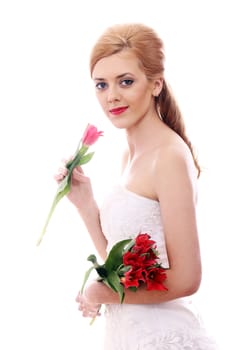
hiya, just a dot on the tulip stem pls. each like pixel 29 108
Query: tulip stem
pixel 57 198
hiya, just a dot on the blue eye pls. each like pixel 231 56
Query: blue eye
pixel 100 86
pixel 127 82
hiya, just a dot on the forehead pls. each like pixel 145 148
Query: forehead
pixel 116 65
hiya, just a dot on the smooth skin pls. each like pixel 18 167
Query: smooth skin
pixel 170 178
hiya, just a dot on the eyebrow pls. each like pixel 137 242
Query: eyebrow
pixel 117 77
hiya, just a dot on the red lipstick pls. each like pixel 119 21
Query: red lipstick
pixel 118 110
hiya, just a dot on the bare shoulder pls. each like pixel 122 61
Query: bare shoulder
pixel 175 185
pixel 176 155
pixel 175 168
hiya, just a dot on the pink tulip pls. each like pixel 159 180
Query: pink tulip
pixel 81 157
pixel 91 135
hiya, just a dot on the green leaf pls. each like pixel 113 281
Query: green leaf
pixel 123 269
pixel 78 148
pixel 102 272
pixel 129 245
pixel 86 158
pixel 76 160
pixel 86 276
pixel 92 258
pixel 114 281
pixel 76 154
pixel 114 258
pixel 80 158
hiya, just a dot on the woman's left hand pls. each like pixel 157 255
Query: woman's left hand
pixel 87 308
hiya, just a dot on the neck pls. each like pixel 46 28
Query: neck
pixel 145 135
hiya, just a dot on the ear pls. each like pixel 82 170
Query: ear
pixel 157 86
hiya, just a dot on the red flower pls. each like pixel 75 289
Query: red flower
pixel 154 278
pixel 133 259
pixel 142 258
pixel 130 264
pixel 91 135
pixel 144 243
pixel 139 260
pixel 132 278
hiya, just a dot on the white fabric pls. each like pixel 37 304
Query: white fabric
pixel 173 325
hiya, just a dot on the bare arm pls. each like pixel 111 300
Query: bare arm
pixel 81 196
pixel 174 184
pixel 90 217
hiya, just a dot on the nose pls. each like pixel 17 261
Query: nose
pixel 113 94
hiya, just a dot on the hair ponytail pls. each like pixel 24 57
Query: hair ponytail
pixel 171 115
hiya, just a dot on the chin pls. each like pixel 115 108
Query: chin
pixel 120 123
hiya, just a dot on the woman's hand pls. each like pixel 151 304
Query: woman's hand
pixel 88 301
pixel 81 190
pixel 81 195
pixel 87 308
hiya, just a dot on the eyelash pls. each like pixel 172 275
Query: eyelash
pixel 129 82
pixel 100 86
pixel 124 83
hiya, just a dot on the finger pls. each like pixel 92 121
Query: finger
pixel 80 169
pixel 89 313
pixel 78 175
pixel 62 172
pixel 66 160
pixel 80 307
pixel 94 308
pixel 58 177
pixel 88 309
pixel 78 297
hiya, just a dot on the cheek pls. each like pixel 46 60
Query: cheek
pixel 136 98
pixel 138 94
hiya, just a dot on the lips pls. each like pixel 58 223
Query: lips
pixel 118 110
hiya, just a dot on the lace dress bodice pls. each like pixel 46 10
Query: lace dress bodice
pixel 173 325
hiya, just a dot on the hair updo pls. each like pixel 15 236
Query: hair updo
pixel 144 42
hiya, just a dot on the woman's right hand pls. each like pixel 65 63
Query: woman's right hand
pixel 81 193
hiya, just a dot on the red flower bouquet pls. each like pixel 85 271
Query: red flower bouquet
pixel 130 264
pixel 90 136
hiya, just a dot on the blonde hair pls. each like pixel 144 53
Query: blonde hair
pixel 149 49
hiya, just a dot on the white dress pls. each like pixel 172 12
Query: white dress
pixel 173 325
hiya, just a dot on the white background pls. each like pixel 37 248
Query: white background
pixel 46 100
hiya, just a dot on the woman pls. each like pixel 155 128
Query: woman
pixel 157 194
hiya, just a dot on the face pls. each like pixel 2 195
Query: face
pixel 123 90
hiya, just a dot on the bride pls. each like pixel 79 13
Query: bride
pixel 156 194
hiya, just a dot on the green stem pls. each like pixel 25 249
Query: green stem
pixel 57 198
pixel 75 162
pixel 93 318
pixel 64 187
pixel 92 321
